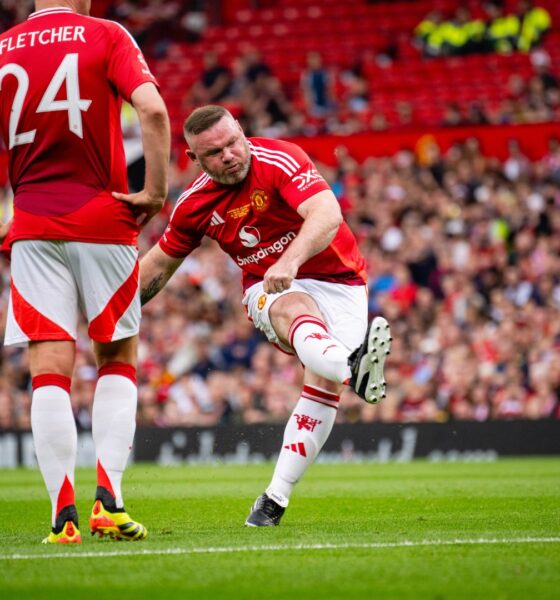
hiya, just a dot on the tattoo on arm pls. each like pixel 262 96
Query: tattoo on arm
pixel 148 292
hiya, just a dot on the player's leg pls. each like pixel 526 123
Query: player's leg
pixel 43 313
pixel 107 277
pixel 54 432
pixel 299 324
pixel 113 427
pixel 322 323
pixel 325 324
pixel 314 334
pixel 308 428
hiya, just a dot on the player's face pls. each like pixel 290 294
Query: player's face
pixel 222 152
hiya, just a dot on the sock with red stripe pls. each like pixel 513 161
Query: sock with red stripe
pixel 307 430
pixel 55 438
pixel 317 350
pixel 114 424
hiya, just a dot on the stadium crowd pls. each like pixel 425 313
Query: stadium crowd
pixel 464 259
pixel 463 252
pixel 341 99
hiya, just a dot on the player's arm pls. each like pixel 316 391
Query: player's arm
pixel 154 123
pixel 156 269
pixel 321 219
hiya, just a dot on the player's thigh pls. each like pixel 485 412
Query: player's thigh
pixel 344 309
pixel 108 286
pixel 286 305
pixel 285 309
pixel 43 304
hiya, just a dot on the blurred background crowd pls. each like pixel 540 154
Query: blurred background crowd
pixel 463 249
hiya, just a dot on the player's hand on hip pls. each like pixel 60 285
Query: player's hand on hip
pixel 144 204
pixel 4 229
pixel 278 278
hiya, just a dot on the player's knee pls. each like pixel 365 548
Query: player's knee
pixel 321 383
pixel 120 351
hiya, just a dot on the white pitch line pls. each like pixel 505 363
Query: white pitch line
pixel 280 548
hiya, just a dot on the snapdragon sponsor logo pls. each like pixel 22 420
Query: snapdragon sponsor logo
pixel 249 236
pixel 277 247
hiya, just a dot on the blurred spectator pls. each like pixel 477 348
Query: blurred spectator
pixel 535 22
pixel 317 86
pixel 214 82
pixel 503 29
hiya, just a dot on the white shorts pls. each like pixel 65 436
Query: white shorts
pixel 52 281
pixel 344 309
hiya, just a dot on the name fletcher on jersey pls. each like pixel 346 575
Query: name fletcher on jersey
pixel 67 33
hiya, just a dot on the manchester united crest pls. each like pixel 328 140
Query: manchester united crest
pixel 259 200
pixel 261 302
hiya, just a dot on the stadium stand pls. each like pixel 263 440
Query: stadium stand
pixel 462 240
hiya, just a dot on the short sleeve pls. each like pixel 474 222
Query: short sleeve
pixel 127 66
pixel 180 237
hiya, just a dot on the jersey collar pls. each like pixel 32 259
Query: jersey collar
pixel 50 11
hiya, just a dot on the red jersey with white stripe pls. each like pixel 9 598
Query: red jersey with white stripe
pixel 256 220
pixel 61 78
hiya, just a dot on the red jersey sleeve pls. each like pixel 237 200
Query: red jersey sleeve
pixel 180 237
pixel 305 182
pixel 127 67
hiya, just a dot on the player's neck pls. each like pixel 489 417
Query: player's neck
pixel 43 4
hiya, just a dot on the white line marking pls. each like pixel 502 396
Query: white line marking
pixel 280 548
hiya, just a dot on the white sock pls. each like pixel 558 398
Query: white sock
pixel 317 350
pixel 113 427
pixel 55 439
pixel 307 430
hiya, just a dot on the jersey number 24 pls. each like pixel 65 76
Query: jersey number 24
pixel 67 72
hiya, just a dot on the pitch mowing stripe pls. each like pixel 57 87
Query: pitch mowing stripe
pixel 280 548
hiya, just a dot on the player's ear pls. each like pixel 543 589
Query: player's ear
pixel 191 155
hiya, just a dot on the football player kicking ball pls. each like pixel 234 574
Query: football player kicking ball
pixel 73 239
pixel 304 279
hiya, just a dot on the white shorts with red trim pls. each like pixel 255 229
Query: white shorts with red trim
pixel 53 281
pixel 344 309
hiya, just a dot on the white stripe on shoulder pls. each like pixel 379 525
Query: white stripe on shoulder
pixel 289 171
pixel 275 157
pixel 278 154
pixel 126 31
pixel 196 185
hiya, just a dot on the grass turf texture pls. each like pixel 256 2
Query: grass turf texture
pixel 187 508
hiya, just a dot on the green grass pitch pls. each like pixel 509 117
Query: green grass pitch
pixel 417 530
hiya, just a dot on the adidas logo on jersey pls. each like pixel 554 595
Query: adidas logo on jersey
pixel 216 219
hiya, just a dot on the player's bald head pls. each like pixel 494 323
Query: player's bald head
pixel 204 118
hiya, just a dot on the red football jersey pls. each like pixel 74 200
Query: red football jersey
pixel 61 78
pixel 256 220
